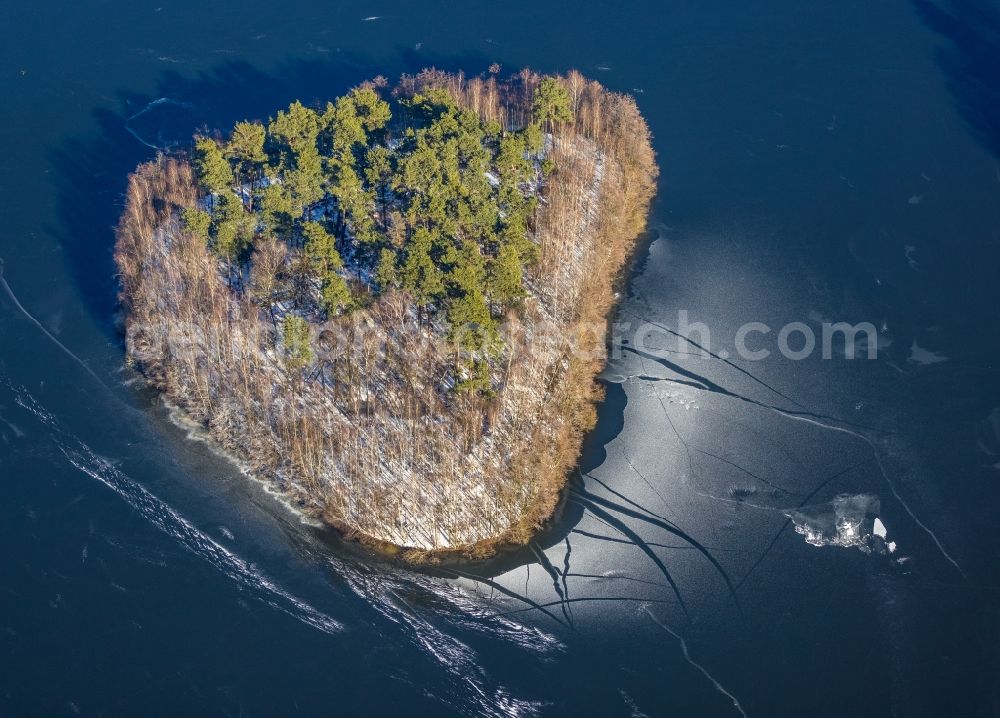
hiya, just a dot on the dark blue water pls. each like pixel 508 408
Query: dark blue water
pixel 819 162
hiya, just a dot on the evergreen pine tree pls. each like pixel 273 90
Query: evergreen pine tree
pixel 387 273
pixel 420 275
pixel 197 222
pixel 475 378
pixel 213 171
pixel 470 324
pixel 504 279
pixel 371 110
pixel 468 270
pixel 295 129
pixel 534 141
pixel 295 335
pixel 551 104
pixel 246 149
pixel 276 208
pixel 320 249
pixel 304 183
pixel 336 295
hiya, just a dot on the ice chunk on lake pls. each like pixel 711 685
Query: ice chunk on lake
pixel 848 521
pixel 879 528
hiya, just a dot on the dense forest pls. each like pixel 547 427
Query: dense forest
pixel 322 210
pixel 393 305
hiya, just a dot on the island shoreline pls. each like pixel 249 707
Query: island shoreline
pixel 547 459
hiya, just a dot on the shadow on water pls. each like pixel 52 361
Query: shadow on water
pixel 610 423
pixel 971 60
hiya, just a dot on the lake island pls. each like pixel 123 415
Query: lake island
pixel 394 306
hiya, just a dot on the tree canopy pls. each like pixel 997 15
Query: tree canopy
pixel 427 198
pixel 552 102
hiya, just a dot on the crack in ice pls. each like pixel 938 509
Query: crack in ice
pixel 687 657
